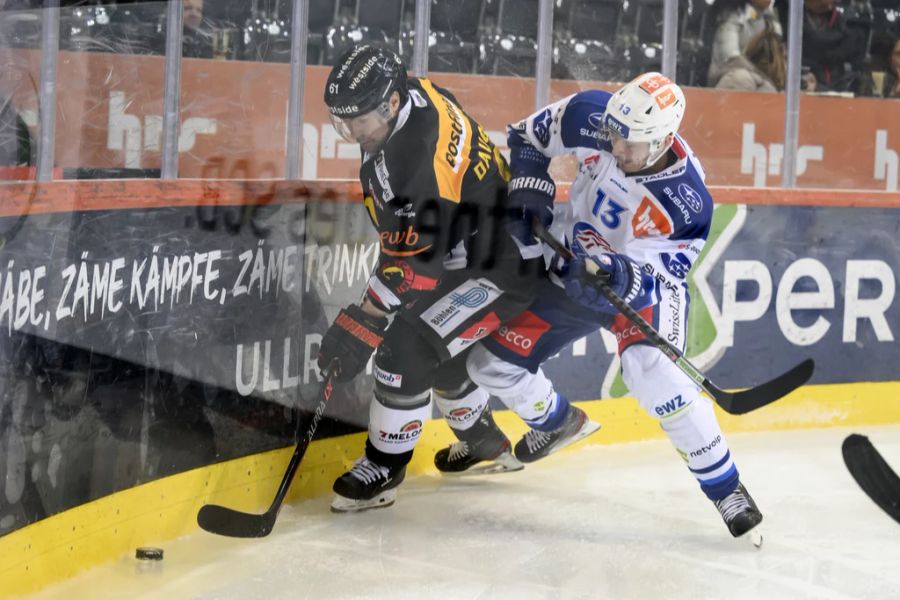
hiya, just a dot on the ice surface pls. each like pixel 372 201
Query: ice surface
pixel 618 522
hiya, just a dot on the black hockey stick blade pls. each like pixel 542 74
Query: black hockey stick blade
pixel 738 403
pixel 222 520
pixel 876 478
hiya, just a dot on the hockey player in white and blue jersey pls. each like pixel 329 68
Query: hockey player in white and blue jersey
pixel 641 212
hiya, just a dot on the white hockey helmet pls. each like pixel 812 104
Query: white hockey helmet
pixel 647 109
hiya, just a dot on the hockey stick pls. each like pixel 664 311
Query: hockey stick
pixel 872 473
pixel 226 521
pixel 736 403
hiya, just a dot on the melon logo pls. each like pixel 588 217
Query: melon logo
pixel 411 426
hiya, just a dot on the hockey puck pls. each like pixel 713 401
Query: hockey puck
pixel 149 554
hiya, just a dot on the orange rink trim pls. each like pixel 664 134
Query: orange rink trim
pixel 25 198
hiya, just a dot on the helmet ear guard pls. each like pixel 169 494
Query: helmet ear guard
pixel 649 109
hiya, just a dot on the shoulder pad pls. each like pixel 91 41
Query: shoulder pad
pixel 582 118
pixel 686 200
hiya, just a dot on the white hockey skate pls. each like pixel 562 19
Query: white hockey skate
pixel 536 444
pixel 367 485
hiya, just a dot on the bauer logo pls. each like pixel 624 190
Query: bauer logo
pixel 393 380
pixel 690 197
pixel 474 333
pixel 541 127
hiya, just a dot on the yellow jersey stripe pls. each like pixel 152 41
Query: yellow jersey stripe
pixel 454 145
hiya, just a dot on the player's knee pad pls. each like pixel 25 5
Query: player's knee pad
pixel 659 386
pixel 529 395
pixel 405 366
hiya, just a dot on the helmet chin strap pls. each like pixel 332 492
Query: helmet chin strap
pixel 663 147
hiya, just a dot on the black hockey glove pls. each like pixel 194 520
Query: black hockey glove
pixel 351 340
pixel 530 198
pixel 620 273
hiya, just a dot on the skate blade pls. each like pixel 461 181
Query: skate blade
pixel 341 504
pixel 756 538
pixel 587 429
pixel 505 463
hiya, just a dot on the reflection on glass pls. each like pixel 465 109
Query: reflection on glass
pixel 20 40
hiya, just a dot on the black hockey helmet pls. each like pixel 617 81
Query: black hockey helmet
pixel 363 79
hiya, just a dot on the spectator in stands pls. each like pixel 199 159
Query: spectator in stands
pixel 197 39
pixel 204 37
pixel 884 77
pixel 738 23
pixel 832 48
pixel 762 67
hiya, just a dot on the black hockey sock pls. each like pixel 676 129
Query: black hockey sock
pixel 392 461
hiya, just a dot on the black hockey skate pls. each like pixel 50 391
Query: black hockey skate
pixel 740 514
pixel 481 450
pixel 535 444
pixel 366 485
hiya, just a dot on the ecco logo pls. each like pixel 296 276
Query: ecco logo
pixel 627 333
pixel 514 338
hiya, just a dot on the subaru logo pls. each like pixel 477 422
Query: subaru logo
pixel 690 197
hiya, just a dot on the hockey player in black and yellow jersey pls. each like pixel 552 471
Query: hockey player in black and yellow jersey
pixel 448 271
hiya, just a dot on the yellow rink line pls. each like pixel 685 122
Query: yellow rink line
pixel 60 546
